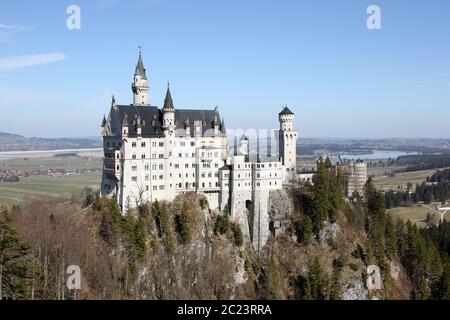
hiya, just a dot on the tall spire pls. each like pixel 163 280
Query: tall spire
pixel 140 69
pixel 168 102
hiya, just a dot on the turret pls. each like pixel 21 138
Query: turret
pixel 216 123
pixel 288 143
pixel 140 84
pixel 168 112
pixel 286 118
pixel 125 127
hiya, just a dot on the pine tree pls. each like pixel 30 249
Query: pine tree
pixel 321 200
pixel 271 284
pixel 318 280
pixel 15 262
pixel 305 228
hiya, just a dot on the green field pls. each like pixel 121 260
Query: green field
pixel 42 186
pixel 382 171
pixel 416 214
pixel 402 179
pixel 46 186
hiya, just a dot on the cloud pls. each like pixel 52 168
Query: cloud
pixel 18 62
pixel 7 32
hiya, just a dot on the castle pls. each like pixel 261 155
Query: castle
pixel 156 154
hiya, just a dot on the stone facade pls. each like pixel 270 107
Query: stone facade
pixel 356 173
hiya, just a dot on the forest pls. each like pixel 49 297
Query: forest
pixel 435 188
pixel 185 250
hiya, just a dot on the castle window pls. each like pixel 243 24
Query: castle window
pixel 143 144
pixel 133 144
pixel 143 156
pixel 147 188
pixel 147 177
pixel 161 167
pixel 161 144
pixel 133 156
pixel 161 177
pixel 134 178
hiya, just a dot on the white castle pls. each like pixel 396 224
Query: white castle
pixel 156 154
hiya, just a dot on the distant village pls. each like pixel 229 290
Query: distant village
pixel 9 174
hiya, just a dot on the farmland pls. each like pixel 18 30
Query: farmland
pixel 84 172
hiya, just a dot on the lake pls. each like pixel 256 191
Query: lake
pixel 377 155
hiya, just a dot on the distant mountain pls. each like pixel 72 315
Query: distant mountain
pixel 15 142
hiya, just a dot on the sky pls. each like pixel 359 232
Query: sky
pixel 250 58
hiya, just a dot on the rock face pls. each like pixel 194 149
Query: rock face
pixel 280 208
pixel 240 276
pixel 330 232
pixel 354 290
pixel 395 271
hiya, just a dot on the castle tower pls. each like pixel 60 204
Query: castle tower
pixel 288 143
pixel 140 84
pixel 168 112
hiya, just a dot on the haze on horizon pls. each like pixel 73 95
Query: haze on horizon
pixel 249 58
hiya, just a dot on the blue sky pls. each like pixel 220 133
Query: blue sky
pixel 248 57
